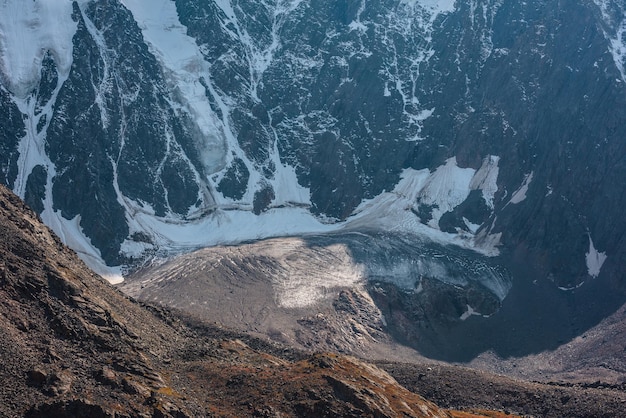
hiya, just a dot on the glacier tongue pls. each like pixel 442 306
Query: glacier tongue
pixel 28 29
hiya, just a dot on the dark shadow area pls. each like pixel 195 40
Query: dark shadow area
pixel 423 306
pixel 535 317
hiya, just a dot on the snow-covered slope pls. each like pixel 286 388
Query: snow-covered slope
pixel 29 30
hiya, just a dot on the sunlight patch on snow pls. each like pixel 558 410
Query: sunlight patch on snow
pixel 311 279
pixel 446 188
pixel 28 29
pixel 595 259
pixel 225 226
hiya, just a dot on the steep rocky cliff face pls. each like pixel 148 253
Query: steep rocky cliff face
pixel 137 130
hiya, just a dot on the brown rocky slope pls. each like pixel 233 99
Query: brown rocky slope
pixel 72 346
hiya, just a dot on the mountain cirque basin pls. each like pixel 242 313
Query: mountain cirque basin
pixel 368 295
pixel 138 128
pixel 73 346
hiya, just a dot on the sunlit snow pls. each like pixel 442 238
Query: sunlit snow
pixel 445 188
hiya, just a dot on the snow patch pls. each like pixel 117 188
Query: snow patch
pixel 425 114
pixel 184 67
pixel 615 33
pixel 72 235
pixel 287 189
pixel 520 194
pixel 486 179
pixel 445 189
pixel 595 259
pixel 473 228
pixel 224 226
pixel 434 7
pixel 357 24
pixel 567 289
pixel 28 29
pixel 469 312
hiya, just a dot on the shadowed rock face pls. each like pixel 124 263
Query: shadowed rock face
pixel 71 345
